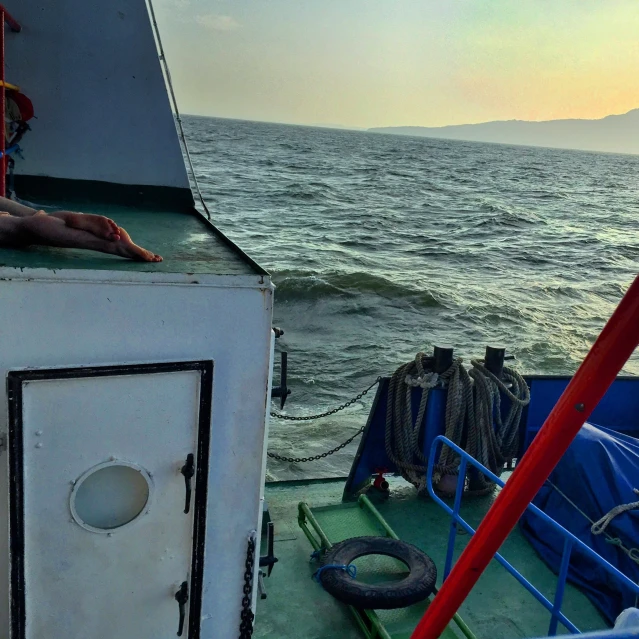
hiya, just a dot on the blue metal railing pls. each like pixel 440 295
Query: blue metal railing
pixel 570 542
pixel 10 150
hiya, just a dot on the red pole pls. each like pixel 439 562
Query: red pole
pixel 14 25
pixel 5 16
pixel 603 363
pixel 3 161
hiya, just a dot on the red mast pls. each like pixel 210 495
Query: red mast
pixel 5 17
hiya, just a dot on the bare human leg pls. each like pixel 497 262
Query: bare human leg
pixel 47 230
pixel 99 225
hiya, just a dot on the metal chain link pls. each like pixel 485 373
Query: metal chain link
pixel 328 412
pixel 246 616
pixel 298 460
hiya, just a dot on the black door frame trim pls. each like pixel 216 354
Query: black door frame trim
pixel 15 381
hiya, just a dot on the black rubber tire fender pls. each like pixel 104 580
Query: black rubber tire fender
pixel 416 586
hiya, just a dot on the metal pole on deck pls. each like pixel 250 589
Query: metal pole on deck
pixel 443 357
pixel 603 363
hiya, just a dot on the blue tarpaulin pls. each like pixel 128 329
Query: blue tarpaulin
pixel 598 472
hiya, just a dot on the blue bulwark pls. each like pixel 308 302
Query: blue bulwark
pixel 371 456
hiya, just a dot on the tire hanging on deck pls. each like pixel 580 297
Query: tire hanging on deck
pixel 417 586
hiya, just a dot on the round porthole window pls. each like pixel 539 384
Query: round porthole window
pixel 110 496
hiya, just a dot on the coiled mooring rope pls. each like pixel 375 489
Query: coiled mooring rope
pixel 493 440
pixel 403 431
pixel 473 414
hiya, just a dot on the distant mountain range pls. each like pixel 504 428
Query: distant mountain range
pixel 614 133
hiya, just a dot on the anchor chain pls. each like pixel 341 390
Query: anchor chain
pixel 246 616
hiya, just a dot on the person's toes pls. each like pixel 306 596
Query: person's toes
pixel 138 253
pixel 147 256
pixel 127 248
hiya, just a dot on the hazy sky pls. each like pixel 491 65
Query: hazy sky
pixel 366 63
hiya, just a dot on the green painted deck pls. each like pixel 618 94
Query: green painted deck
pixel 185 241
pixel 498 607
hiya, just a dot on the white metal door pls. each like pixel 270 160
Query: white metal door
pixel 101 542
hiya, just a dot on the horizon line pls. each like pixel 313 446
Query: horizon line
pixel 426 137
pixel 337 126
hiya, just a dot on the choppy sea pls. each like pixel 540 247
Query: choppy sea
pixel 384 245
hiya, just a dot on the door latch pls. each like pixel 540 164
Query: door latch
pixel 188 470
pixel 182 596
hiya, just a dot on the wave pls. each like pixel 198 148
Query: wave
pixel 298 148
pixel 503 216
pixel 493 207
pixel 541 194
pixel 304 191
pixel 299 285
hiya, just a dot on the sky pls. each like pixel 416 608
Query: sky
pixel 369 63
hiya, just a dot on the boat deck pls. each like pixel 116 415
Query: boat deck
pixel 498 607
pixel 185 240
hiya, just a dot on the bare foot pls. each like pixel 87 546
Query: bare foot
pixel 98 225
pixel 125 247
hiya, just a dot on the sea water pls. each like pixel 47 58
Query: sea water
pixel 384 245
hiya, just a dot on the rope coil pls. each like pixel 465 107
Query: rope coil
pixel 599 527
pixel 492 438
pixel 403 430
pixel 473 411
